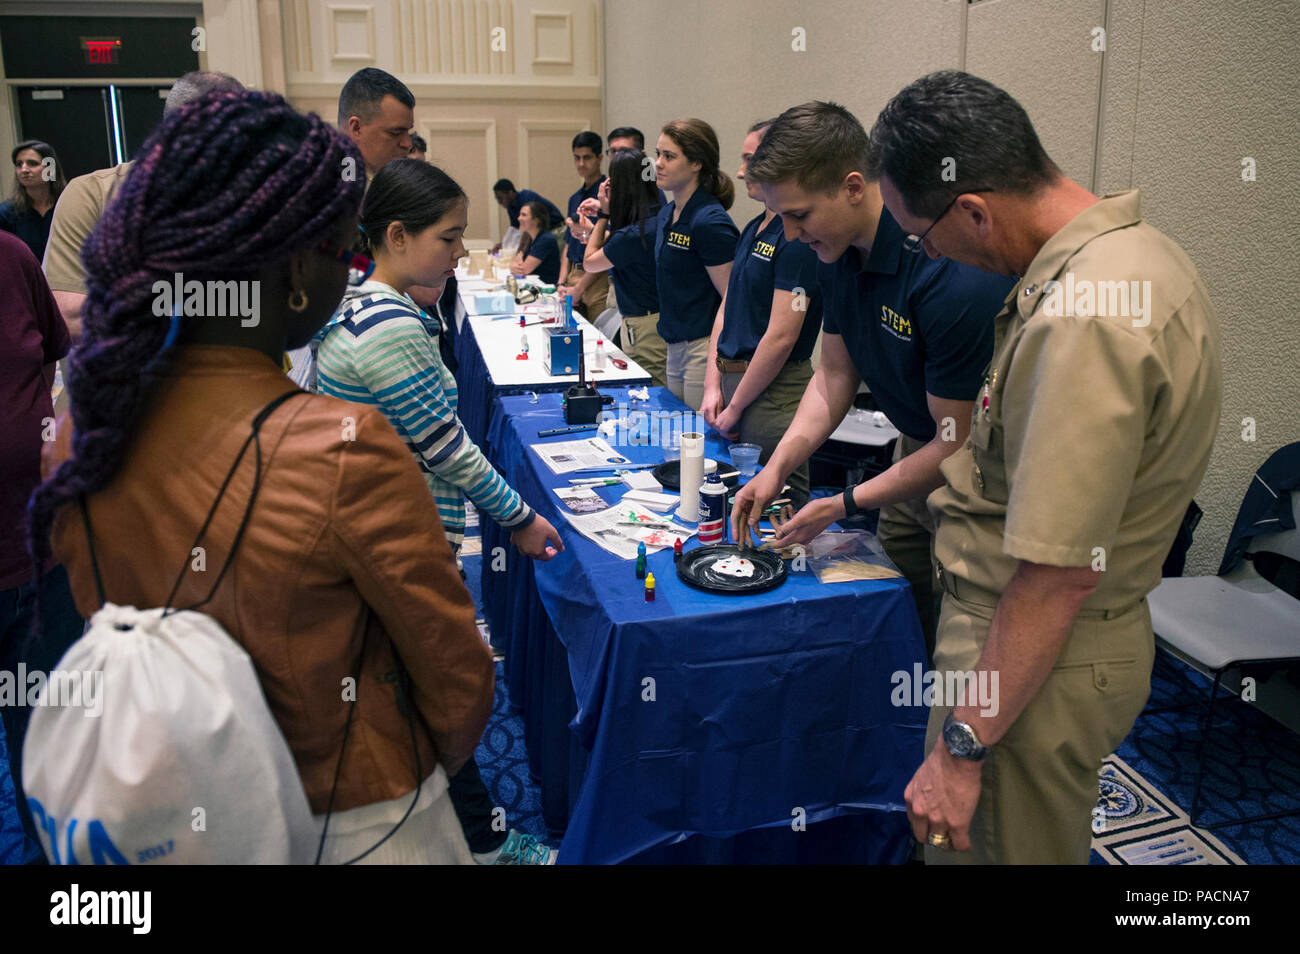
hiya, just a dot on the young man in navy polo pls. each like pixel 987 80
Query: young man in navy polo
pixel 918 331
pixel 512 200
pixel 588 289
pixel 764 333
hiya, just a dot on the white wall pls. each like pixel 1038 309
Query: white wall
pixel 1183 90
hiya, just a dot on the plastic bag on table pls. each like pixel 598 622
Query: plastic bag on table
pixel 841 556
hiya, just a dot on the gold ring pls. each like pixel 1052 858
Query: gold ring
pixel 939 840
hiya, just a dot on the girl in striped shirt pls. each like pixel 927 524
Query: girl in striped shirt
pixel 382 348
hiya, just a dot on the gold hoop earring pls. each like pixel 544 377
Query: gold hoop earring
pixel 298 300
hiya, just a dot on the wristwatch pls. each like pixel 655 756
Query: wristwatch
pixel 962 741
pixel 850 505
pixel 602 215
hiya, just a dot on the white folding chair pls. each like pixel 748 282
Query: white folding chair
pixel 1220 624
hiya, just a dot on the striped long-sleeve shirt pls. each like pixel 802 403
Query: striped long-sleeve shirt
pixel 380 348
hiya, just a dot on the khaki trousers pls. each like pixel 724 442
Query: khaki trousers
pixel 686 361
pixel 593 299
pixel 767 419
pixel 643 345
pixel 906 532
pixel 1039 783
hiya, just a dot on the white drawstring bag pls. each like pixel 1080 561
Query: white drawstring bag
pixel 152 742
pixel 169 755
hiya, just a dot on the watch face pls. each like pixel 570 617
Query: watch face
pixel 958 740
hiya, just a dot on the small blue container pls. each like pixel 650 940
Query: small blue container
pixel 563 349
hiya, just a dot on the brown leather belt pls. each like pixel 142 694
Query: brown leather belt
pixel 727 366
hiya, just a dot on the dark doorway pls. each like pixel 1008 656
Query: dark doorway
pixel 90 127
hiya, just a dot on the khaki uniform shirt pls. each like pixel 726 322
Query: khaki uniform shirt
pixel 75 217
pixel 1097 415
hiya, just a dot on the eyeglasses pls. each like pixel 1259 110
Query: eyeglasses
pixel 912 243
pixel 359 267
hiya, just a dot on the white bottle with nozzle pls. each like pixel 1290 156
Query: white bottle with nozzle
pixel 598 360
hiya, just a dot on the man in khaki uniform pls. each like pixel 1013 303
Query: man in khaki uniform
pixel 1090 436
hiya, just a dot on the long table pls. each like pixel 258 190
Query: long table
pixel 486 350
pixel 698 727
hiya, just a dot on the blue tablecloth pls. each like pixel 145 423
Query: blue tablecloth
pixel 698 714
pixel 474 385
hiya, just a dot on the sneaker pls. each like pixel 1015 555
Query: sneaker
pixel 519 849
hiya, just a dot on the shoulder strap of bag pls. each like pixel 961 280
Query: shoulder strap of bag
pixel 253 438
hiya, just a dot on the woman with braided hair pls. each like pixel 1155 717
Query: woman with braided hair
pixel 343 567
pixel 694 249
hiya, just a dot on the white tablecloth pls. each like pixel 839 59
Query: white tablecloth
pixel 499 340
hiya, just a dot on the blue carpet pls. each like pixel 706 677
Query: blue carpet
pixel 502 758
pixel 11 830
pixel 1253 764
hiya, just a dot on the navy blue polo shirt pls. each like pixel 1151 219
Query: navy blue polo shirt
pixel 30 226
pixel 912 324
pixel 766 262
pixel 546 249
pixel 631 250
pixel 575 248
pixel 523 197
pixel 703 235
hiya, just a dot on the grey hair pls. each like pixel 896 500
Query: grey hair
pixel 193 85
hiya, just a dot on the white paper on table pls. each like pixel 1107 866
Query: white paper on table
pixel 642 480
pixel 608 529
pixel 659 503
pixel 581 499
pixel 590 453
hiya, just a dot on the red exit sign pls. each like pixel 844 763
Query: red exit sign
pixel 101 49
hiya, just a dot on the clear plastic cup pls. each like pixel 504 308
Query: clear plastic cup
pixel 745 458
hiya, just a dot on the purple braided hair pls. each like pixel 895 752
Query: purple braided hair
pixel 224 186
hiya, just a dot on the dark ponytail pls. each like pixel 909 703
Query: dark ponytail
pixel 723 188
pixel 699 143
pixel 409 191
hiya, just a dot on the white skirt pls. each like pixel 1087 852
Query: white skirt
pixel 430 836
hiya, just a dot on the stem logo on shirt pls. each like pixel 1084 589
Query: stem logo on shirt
pixel 897 325
pixel 679 240
pixel 764 251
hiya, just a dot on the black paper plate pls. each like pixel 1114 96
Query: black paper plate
pixel 696 569
pixel 669 474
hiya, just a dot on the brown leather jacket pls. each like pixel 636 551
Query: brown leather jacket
pixel 344 542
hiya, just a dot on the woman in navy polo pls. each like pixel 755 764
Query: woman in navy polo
pixel 693 250
pixel 538 253
pixel 763 336
pixel 30 211
pixel 623 243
